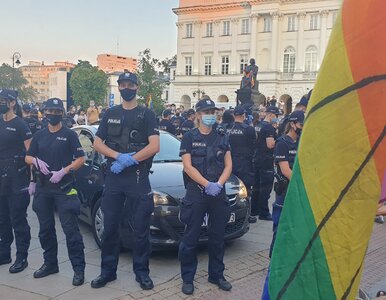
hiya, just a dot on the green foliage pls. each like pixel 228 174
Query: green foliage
pixel 88 83
pixel 150 81
pixel 11 78
pixel 166 63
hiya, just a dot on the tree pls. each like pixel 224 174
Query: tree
pixel 166 63
pixel 88 83
pixel 152 84
pixel 12 78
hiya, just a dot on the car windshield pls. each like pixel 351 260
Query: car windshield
pixel 170 149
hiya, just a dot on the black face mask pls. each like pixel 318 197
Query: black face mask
pixel 298 131
pixel 4 108
pixel 128 94
pixel 54 119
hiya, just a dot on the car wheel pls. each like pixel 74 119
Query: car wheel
pixel 97 222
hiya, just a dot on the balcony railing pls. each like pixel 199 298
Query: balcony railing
pixel 310 75
pixel 287 76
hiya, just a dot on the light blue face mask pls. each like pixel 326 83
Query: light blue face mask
pixel 208 120
pixel 274 120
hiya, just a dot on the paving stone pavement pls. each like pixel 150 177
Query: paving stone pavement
pixel 246 261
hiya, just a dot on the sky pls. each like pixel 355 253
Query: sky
pixel 68 30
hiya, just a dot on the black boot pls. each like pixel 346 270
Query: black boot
pixel 46 270
pixel 18 266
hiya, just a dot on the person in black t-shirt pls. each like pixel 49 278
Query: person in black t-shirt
pixel 165 124
pixel 207 164
pixel 15 138
pixel 264 175
pixel 56 153
pixel 189 123
pixel 128 136
pixel 285 153
pixel 31 118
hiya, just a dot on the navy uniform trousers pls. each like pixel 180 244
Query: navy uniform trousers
pixel 262 189
pixel 125 193
pixel 68 208
pixel 277 207
pixel 194 207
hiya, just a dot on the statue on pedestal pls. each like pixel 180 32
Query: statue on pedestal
pixel 249 87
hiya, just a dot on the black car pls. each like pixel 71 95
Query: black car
pixel 167 182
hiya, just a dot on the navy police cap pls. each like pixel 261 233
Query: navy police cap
pixel 190 112
pixel 27 107
pixel 205 104
pixel 54 103
pixel 297 116
pixel 166 113
pixel 8 94
pixel 239 110
pixel 273 110
pixel 128 76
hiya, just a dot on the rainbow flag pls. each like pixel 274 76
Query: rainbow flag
pixel 149 102
pixel 335 188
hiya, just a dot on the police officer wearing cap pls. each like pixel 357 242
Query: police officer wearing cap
pixel 189 123
pixel 166 124
pixel 55 153
pixel 285 153
pixel 264 166
pixel 30 116
pixel 242 139
pixel 15 138
pixel 128 136
pixel 207 165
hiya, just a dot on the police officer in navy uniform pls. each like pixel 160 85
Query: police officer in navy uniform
pixel 285 153
pixel 31 118
pixel 207 165
pixel 189 123
pixel 165 124
pixel 15 138
pixel 264 165
pixel 56 153
pixel 242 139
pixel 128 136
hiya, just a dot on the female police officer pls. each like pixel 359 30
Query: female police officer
pixel 207 165
pixel 56 152
pixel 285 153
pixel 15 138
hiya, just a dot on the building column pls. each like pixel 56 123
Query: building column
pixel 300 47
pixel 274 41
pixel 234 56
pixel 254 33
pixel 180 59
pixel 215 57
pixel 323 34
pixel 197 48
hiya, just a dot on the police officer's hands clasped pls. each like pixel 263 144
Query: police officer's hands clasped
pixel 124 160
pixel 57 175
pixel 41 165
pixel 32 188
pixel 213 188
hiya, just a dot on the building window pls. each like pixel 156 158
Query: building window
pixel 243 62
pixel 289 60
pixel 291 23
pixel 188 66
pixel 245 26
pixel 209 29
pixel 225 64
pixel 208 65
pixel 314 21
pixel 311 59
pixel 189 30
pixel 267 24
pixel 226 28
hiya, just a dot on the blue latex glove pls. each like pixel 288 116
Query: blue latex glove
pixel 126 159
pixel 116 167
pixel 213 189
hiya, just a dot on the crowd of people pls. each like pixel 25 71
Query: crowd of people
pixel 39 155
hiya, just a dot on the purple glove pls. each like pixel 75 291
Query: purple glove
pixel 57 176
pixel 41 166
pixel 31 188
pixel 213 189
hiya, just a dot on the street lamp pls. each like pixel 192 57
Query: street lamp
pixel 199 93
pixel 15 60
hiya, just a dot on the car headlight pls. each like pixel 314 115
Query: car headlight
pixel 160 198
pixel 243 192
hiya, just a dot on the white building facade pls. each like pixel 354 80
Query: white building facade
pixel 216 39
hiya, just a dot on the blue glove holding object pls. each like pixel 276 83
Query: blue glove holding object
pixel 126 159
pixel 213 189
